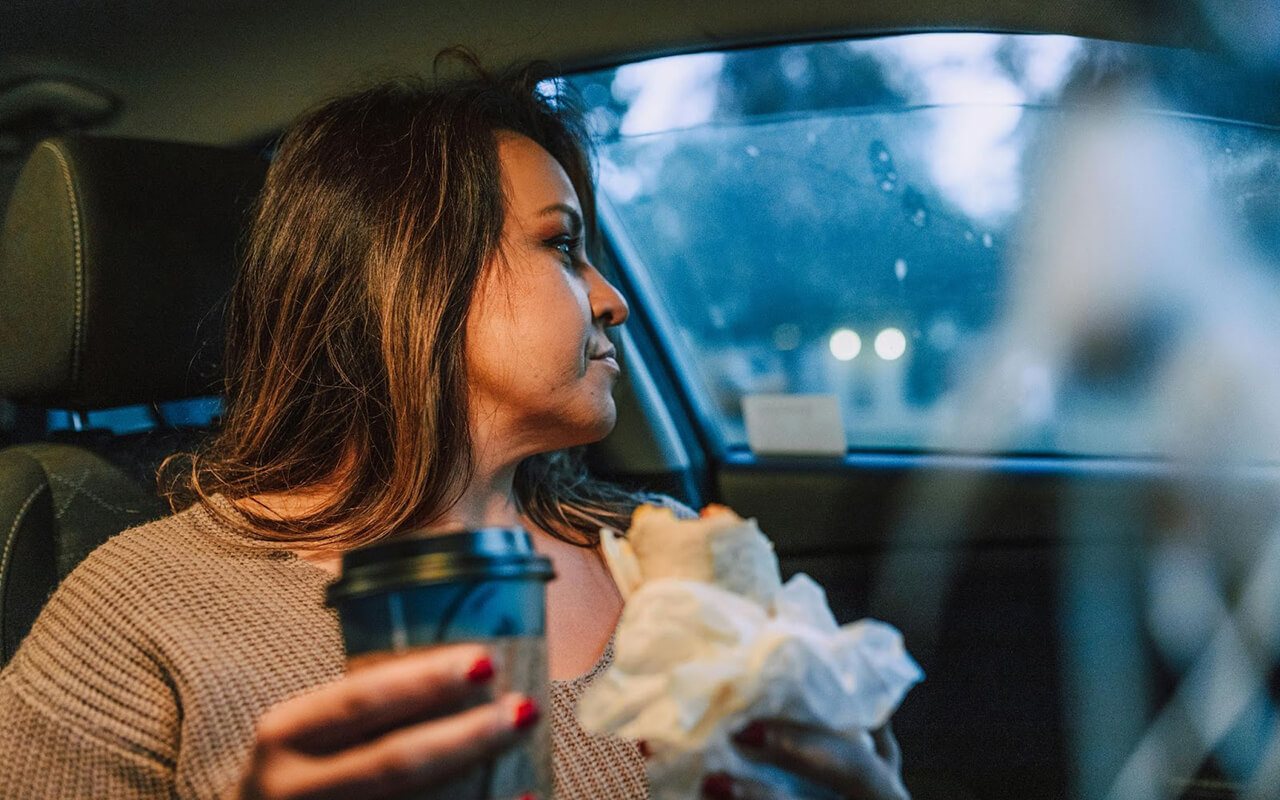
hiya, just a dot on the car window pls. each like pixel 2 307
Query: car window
pixel 199 412
pixel 842 218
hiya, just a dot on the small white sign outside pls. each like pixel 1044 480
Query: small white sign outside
pixel 794 424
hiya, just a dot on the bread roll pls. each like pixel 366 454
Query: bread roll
pixel 719 547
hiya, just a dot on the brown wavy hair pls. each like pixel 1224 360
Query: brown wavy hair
pixel 346 325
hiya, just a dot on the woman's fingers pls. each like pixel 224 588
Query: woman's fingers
pixel 400 761
pixel 416 686
pixel 423 754
pixel 858 767
pixel 387 728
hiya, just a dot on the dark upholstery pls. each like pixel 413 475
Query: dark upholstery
pixel 58 502
pixel 115 256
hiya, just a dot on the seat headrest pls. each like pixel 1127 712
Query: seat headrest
pixel 115 258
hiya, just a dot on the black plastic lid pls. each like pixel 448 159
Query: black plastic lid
pixel 408 560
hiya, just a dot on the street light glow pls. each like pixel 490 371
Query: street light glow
pixel 890 344
pixel 845 344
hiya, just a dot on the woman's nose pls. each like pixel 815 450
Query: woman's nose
pixel 607 303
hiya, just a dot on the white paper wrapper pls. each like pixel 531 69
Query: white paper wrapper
pixel 695 662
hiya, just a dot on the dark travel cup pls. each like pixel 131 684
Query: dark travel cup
pixel 483 586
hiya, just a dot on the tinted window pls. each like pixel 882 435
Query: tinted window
pixel 847 217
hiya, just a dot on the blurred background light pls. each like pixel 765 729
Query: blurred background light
pixel 845 344
pixel 891 344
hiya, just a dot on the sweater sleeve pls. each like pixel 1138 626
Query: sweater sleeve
pixel 87 706
pixel 678 508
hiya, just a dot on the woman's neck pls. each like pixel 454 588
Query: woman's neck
pixel 582 603
pixel 484 504
pixel 489 500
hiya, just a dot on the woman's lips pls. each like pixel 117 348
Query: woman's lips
pixel 607 357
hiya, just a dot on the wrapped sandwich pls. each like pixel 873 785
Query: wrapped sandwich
pixel 710 639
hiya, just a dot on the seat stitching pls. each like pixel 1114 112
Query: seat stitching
pixel 78 329
pixel 80 490
pixel 13 529
pixel 76 486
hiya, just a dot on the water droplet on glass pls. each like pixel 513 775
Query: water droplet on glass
pixel 900 268
pixel 882 166
pixel 987 241
pixel 752 150
pixel 914 207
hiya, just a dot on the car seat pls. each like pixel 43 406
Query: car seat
pixel 115 255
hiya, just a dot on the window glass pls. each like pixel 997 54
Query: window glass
pixel 198 412
pixel 842 217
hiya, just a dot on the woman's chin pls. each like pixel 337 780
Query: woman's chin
pixel 561 428
pixel 600 429
pixel 593 430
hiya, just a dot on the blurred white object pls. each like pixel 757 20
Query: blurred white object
pixel 710 639
pixel 1135 312
pixel 1148 315
pixel 794 424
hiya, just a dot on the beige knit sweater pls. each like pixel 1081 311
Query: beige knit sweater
pixel 146 672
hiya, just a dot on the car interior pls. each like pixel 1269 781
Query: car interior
pixel 1039 585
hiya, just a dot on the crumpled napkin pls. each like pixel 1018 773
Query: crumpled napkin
pixel 695 661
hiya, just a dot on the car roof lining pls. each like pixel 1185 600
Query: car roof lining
pixel 233 72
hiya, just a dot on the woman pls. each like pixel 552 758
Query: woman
pixel 416 337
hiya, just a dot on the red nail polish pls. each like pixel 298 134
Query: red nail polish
pixel 528 797
pixel 645 750
pixel 717 786
pixel 527 714
pixel 481 671
pixel 751 736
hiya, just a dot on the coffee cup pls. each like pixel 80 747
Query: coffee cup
pixel 487 586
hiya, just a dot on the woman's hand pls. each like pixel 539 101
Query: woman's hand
pixel 403 723
pixel 857 767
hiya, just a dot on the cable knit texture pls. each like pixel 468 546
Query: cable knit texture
pixel 146 672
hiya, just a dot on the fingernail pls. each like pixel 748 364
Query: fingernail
pixel 645 750
pixel 717 786
pixel 527 714
pixel 481 671
pixel 528 797
pixel 751 736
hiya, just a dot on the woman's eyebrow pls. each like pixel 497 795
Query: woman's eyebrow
pixel 575 218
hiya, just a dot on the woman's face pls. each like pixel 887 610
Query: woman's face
pixel 541 370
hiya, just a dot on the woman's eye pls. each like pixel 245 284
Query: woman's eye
pixel 566 245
